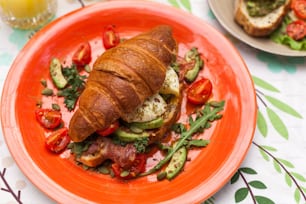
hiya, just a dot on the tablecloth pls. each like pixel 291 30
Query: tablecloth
pixel 274 170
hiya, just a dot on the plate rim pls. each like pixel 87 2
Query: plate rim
pixel 6 89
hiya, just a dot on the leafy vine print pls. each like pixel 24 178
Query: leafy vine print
pixel 243 192
pixel 273 117
pixel 291 177
pixel 210 200
pixel 267 152
pixel 8 188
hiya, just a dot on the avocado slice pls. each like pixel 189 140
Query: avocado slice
pixel 176 163
pixel 126 136
pixel 56 74
pixel 192 74
pixel 156 123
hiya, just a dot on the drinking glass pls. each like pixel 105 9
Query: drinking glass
pixel 27 14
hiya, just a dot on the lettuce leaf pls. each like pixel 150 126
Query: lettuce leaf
pixel 279 36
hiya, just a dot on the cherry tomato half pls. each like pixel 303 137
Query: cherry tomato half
pixel 299 8
pixel 296 30
pixel 109 130
pixel 110 37
pixel 199 92
pixel 48 118
pixel 82 56
pixel 58 140
pixel 138 167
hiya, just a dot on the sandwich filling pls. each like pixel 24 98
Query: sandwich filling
pixel 137 130
pixel 257 8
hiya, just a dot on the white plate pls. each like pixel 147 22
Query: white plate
pixel 224 12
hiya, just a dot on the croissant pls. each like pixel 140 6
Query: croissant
pixel 122 78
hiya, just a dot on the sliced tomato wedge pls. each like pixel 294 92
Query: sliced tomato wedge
pixel 110 37
pixel 139 166
pixel 296 30
pixel 48 118
pixel 58 140
pixel 82 56
pixel 199 91
pixel 112 128
pixel 299 8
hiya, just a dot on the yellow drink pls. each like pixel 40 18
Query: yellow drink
pixel 26 14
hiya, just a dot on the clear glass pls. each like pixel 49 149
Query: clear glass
pixel 27 14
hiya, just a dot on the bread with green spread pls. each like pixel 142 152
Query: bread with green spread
pixel 261 25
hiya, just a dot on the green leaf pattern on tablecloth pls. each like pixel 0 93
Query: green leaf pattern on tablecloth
pixel 280 165
pixel 285 167
pixel 211 15
pixel 21 37
pixel 283 106
pixel 209 201
pixel 263 152
pixel 286 163
pixel 241 194
pixel 278 63
pixel 277 166
pixel 5 59
pixel 271 105
pixel 258 184
pixel 248 190
pixel 288 180
pixel 263 84
pixel 273 116
pixel 262 124
pixel 185 4
pixel 277 123
pixel 263 200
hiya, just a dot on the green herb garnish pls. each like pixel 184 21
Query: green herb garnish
pixel 56 107
pixel 76 85
pixel 140 144
pixel 43 82
pixel 206 115
pixel 47 92
pixel 78 148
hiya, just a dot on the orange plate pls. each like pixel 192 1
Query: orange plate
pixel 65 182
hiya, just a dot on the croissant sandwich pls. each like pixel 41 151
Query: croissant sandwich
pixel 134 85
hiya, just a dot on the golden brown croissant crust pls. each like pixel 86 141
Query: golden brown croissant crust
pixel 121 79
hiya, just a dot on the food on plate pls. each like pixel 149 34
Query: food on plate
pixel 292 31
pixel 126 83
pixel 130 105
pixel 56 73
pixel 48 118
pixel 121 79
pixel 260 17
pixel 110 37
pixel 193 59
pixel 82 55
pixel 299 8
pixel 58 140
pixel 296 29
pixel 199 92
pixel 283 21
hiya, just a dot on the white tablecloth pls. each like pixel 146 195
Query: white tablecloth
pixel 274 170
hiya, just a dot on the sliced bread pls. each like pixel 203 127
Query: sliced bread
pixel 259 26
